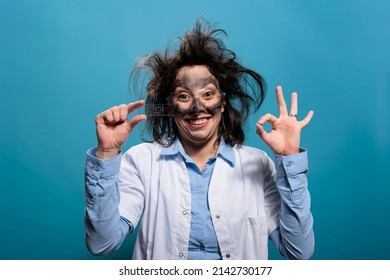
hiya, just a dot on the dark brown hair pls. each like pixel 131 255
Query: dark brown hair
pixel 244 88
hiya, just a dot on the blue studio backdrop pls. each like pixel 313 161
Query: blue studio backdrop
pixel 64 61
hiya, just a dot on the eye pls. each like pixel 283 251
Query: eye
pixel 183 97
pixel 208 95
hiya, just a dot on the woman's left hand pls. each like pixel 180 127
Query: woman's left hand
pixel 284 138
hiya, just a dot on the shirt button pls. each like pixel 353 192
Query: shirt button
pixel 289 164
pixel 181 254
pixel 202 248
pixel 217 216
pixel 228 256
pixel 184 212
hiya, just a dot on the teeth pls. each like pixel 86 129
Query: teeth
pixel 198 121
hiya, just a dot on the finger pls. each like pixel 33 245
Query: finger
pixel 105 117
pixel 267 118
pixel 260 129
pixel 123 112
pixel 131 107
pixel 294 104
pixel 109 116
pixel 115 113
pixel 307 119
pixel 261 132
pixel 281 102
pixel 135 121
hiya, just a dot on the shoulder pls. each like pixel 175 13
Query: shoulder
pixel 249 151
pixel 143 151
pixel 251 156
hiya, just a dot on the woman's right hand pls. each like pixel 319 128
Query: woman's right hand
pixel 113 129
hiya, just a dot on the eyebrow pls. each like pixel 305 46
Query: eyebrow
pixel 186 82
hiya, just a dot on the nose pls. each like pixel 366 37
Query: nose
pixel 197 105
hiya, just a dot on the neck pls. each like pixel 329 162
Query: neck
pixel 201 152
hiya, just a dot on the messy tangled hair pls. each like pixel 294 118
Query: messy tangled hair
pixel 244 88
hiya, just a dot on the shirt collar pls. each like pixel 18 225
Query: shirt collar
pixel 224 151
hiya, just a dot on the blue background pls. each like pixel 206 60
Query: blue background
pixel 63 62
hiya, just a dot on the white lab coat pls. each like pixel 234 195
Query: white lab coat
pixel 244 202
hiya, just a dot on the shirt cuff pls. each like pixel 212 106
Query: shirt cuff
pixel 292 164
pixel 97 167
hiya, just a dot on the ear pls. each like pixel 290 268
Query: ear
pixel 223 102
pixel 223 106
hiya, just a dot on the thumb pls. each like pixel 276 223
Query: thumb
pixel 134 122
pixel 261 132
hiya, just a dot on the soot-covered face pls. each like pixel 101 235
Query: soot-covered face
pixel 198 104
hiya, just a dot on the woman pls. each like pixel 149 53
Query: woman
pixel 196 191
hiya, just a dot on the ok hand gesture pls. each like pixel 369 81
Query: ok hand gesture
pixel 284 138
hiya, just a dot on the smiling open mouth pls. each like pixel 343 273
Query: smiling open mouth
pixel 197 121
